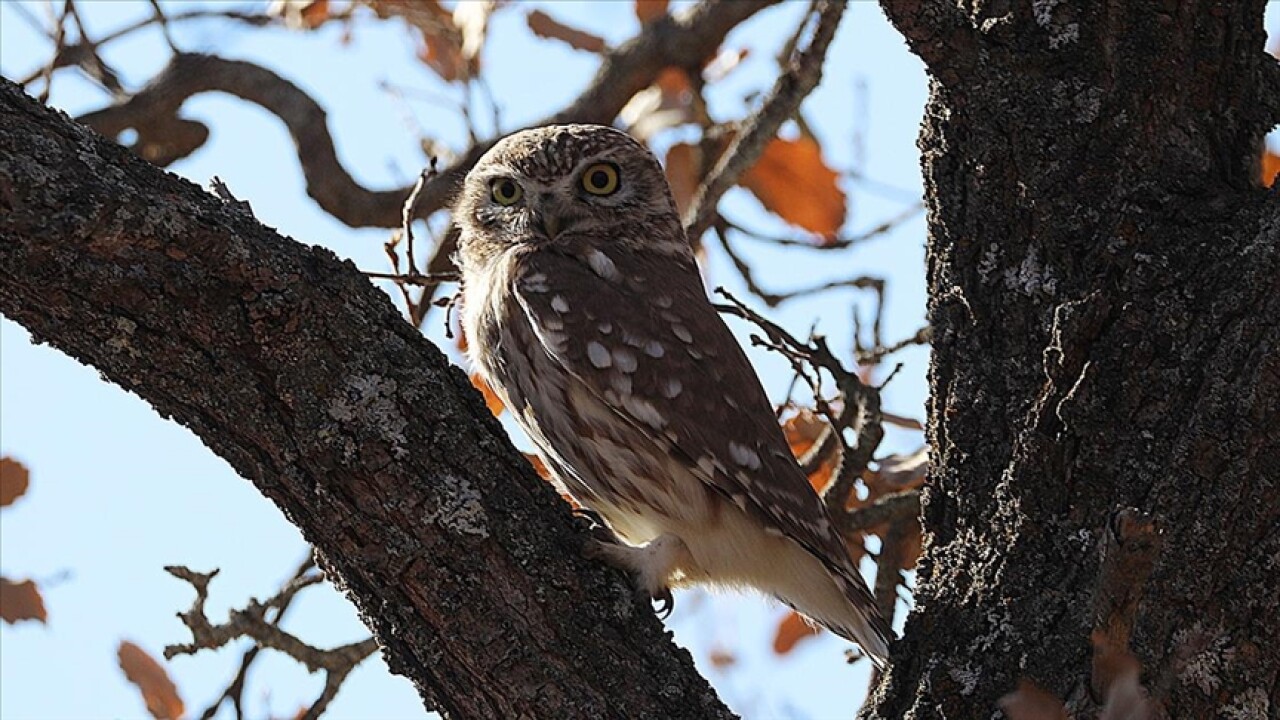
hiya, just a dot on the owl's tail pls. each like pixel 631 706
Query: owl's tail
pixel 862 622
pixel 846 608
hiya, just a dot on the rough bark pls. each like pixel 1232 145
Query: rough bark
pixel 290 365
pixel 1104 279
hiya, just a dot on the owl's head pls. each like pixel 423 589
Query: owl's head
pixel 570 186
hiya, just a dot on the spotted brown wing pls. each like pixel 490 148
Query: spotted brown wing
pixel 648 343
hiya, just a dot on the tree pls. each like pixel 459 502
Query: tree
pixel 1103 382
pixel 1102 270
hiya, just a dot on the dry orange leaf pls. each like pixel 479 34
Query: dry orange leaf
pixel 791 180
pixel 668 102
pixel 1115 675
pixel 1032 702
pixel 1270 166
pixel 21 601
pixel 545 26
pixel 14 480
pixel 300 14
pixel 721 658
pixel 491 398
pixel 443 56
pixel 792 630
pixel 451 41
pixel 158 691
pixel 802 431
pixel 649 10
pixel 682 168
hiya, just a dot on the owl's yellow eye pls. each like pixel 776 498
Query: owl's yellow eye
pixel 600 179
pixel 505 191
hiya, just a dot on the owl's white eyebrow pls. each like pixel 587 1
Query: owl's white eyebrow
pixel 499 171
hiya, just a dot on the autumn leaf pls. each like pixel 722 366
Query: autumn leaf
pixel 21 601
pixel 491 398
pixel 545 26
pixel 451 41
pixel 791 180
pixel 792 630
pixel 158 691
pixel 1032 702
pixel 472 20
pixel 721 658
pixel 1115 675
pixel 1270 166
pixel 682 168
pixel 300 14
pixel 650 10
pixel 668 102
pixel 802 430
pixel 14 480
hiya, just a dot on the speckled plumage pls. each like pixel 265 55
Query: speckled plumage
pixel 587 314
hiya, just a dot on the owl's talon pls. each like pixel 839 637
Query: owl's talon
pixel 588 514
pixel 666 603
pixel 600 532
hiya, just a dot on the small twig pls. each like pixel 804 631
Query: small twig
pixel 59 46
pixel 744 269
pixel 886 508
pixel 774 299
pixel 839 243
pixel 251 622
pixel 419 280
pixel 889 565
pixel 802 76
pixel 235 690
pixel 223 193
pixel 449 302
pixel 860 411
pixel 901 421
pixel 164 25
pixel 248 18
pixel 873 356
pixel 428 174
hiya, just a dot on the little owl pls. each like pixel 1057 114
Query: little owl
pixel 585 312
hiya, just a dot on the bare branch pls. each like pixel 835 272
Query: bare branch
pixel 860 411
pixel 683 41
pixel 875 355
pixel 251 622
pixel 774 299
pixel 235 689
pixel 839 243
pixel 801 77
pixel 887 508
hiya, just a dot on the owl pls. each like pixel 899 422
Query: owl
pixel 585 311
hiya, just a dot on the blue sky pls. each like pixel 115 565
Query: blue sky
pixel 117 492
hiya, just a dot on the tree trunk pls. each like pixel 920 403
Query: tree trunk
pixel 297 371
pixel 1104 278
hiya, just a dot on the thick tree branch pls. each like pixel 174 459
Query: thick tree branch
pixel 290 365
pixel 1104 278
pixel 684 41
pixel 939 32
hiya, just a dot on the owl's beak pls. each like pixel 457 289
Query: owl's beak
pixel 549 223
